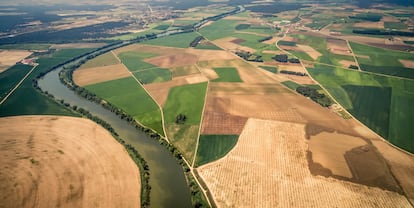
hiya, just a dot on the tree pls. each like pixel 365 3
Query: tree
pixel 281 58
pixel 180 119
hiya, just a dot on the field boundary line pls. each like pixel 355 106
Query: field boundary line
pixel 116 56
pixel 201 120
pixel 358 121
pixel 18 85
pixel 197 181
pixel 159 106
pixel 353 55
pixel 352 116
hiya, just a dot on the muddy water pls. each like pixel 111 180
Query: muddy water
pixel 169 187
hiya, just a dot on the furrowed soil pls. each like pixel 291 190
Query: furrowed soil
pixel 64 162
pixel 268 168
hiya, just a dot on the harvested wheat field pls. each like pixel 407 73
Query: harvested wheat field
pixel 11 57
pixel 87 76
pixel 270 165
pixel 64 162
pixel 338 46
pixel 377 25
pixel 310 51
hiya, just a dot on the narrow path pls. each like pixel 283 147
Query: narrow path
pixel 353 55
pixel 17 86
pixel 201 120
pixel 119 60
pixel 159 106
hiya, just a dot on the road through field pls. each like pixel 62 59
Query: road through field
pixel 17 86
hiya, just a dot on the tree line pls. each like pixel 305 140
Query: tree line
pixel 383 32
pixel 197 196
pixel 314 95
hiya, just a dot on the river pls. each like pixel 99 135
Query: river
pixel 167 180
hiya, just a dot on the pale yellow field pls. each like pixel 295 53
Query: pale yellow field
pixel 87 76
pixel 268 168
pixel 51 161
pixel 310 51
pixel 9 58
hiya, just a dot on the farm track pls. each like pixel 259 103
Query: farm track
pixel 201 120
pixel 18 85
pixel 353 55
pixel 159 106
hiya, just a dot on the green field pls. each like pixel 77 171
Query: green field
pixel 162 27
pixel 382 103
pixel 286 43
pixel 265 30
pixel 383 61
pixel 26 100
pixel 10 78
pixel 214 147
pixel 153 75
pixel 301 55
pixel 270 69
pixel 179 41
pixel 291 85
pixel 319 44
pixel 227 74
pixel 206 45
pixel 395 25
pixel 129 96
pixel 102 60
pixel 189 101
pixel 134 60
pixel 252 41
pixel 225 27
pixel 26 46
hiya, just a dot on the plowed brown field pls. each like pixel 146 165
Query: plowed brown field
pixel 50 161
pixel 268 168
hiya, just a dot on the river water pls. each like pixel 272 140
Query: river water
pixel 169 187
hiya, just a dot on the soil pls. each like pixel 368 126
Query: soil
pixel 314 54
pixel 338 46
pixel 401 165
pixel 346 63
pixel 159 91
pixel 237 41
pixel 268 168
pixel 407 63
pixel 64 162
pixel 227 44
pixel 166 61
